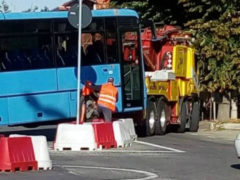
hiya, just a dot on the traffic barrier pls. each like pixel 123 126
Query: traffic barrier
pixel 75 137
pixel 40 151
pixel 104 135
pixel 17 154
pixel 237 145
pixel 128 123
pixel 97 120
pixel 121 134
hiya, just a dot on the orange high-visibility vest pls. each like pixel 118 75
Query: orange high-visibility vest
pixel 86 91
pixel 108 96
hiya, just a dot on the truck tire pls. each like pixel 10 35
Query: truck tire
pixel 151 117
pixel 195 117
pixel 161 123
pixel 183 117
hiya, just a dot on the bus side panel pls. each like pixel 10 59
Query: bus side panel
pixel 73 104
pixel 67 77
pixel 36 108
pixel 99 74
pixel 3 111
pixel 119 104
pixel 27 82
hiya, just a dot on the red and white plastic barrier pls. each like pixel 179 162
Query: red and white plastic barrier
pixel 237 145
pixel 129 125
pixel 40 151
pixel 104 135
pixel 75 137
pixel 17 154
pixel 95 135
pixel 121 134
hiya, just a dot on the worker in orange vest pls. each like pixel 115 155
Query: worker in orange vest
pixel 86 91
pixel 108 94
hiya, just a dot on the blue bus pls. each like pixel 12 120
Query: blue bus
pixel 38 64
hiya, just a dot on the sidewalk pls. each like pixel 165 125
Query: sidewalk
pixel 225 132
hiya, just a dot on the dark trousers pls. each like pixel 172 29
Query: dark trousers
pixel 107 113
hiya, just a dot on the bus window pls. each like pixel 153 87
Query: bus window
pixel 111 40
pixel 92 49
pixel 97 25
pixel 26 52
pixel 130 47
pixel 98 45
pixel 28 47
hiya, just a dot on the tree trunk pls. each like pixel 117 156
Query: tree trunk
pixel 234 109
pixel 224 109
pixel 214 110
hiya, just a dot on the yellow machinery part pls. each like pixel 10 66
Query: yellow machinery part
pixel 173 94
pixel 157 87
pixel 180 60
pixel 190 63
pixel 186 87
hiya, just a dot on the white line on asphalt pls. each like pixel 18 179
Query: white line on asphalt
pixel 117 151
pixel 132 151
pixel 149 175
pixel 158 146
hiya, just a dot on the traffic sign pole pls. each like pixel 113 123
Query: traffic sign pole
pixel 79 63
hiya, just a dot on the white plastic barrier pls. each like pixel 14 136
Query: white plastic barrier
pixel 121 134
pixel 237 145
pixel 75 137
pixel 40 150
pixel 128 123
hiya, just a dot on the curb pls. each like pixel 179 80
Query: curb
pixel 230 126
pixel 218 125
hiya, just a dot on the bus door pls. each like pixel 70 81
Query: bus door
pixel 132 71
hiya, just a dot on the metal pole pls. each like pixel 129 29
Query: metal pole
pixel 214 109
pixel 79 62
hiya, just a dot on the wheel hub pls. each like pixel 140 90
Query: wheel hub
pixel 151 120
pixel 163 119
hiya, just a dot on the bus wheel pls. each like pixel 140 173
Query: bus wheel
pixel 183 117
pixel 151 118
pixel 195 117
pixel 161 123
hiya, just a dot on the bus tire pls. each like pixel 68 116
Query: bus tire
pixel 151 117
pixel 195 117
pixel 183 117
pixel 161 123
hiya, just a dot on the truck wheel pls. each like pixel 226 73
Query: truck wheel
pixel 195 117
pixel 151 118
pixel 161 123
pixel 183 117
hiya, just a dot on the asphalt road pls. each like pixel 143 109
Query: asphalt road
pixel 173 156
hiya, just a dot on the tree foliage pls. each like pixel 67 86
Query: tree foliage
pixel 32 9
pixel 216 27
pixel 4 7
pixel 163 12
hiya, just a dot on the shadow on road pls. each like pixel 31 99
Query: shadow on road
pixel 235 166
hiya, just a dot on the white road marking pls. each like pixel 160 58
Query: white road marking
pixel 149 175
pixel 117 151
pixel 158 146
